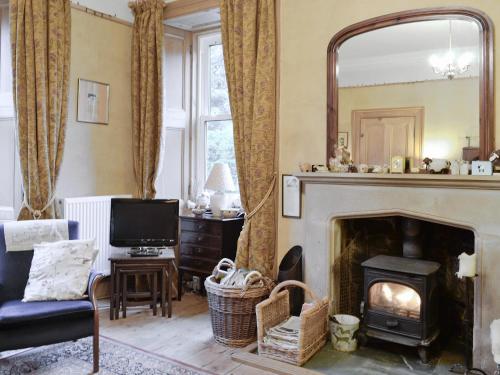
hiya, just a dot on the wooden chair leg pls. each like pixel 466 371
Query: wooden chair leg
pixel 96 351
pixel 95 342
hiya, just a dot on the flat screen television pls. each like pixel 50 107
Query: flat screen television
pixel 144 223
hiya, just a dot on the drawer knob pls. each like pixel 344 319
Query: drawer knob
pixel 392 323
pixel 201 226
pixel 200 238
pixel 198 250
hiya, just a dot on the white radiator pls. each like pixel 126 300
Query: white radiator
pixel 93 214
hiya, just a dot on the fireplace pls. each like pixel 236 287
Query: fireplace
pixel 465 208
pixel 401 302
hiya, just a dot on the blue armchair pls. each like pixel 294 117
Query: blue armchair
pixel 27 324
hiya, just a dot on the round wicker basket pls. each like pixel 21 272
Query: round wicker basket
pixel 232 311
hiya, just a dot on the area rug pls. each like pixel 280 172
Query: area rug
pixel 75 358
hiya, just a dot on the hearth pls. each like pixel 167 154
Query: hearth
pixel 400 303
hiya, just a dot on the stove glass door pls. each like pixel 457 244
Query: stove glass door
pixel 394 298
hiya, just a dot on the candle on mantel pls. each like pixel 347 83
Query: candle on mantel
pixel 467 265
pixel 495 340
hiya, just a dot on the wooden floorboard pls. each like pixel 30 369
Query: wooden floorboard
pixel 186 337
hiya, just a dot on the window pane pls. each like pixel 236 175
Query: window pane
pixel 6 99
pixel 219 100
pixel 220 146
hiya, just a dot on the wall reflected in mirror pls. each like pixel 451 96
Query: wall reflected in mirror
pixel 411 90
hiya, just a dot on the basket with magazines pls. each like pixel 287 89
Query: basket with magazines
pixel 232 296
pixel 289 338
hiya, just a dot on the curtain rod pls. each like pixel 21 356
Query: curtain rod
pixel 95 13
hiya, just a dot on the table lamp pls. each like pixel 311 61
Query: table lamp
pixel 219 180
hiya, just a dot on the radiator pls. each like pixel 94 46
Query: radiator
pixel 93 215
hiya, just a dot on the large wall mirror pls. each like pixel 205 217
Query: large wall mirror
pixel 414 84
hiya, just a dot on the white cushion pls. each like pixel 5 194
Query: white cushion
pixel 60 270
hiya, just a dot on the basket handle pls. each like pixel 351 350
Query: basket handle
pixel 224 262
pixel 255 275
pixel 297 284
pixel 266 281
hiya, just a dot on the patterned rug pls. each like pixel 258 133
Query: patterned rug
pixel 75 358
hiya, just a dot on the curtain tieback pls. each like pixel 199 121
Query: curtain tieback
pixel 37 214
pixel 266 197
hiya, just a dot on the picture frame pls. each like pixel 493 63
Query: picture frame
pixel 92 102
pixel 291 198
pixel 343 139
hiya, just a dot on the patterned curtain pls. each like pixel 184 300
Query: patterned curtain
pixel 41 40
pixel 147 54
pixel 249 43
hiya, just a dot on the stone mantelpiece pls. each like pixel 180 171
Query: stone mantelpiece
pixel 471 202
pixel 410 180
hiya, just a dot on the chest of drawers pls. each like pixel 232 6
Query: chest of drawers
pixel 204 241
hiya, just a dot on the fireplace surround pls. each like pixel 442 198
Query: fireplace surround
pixel 469 202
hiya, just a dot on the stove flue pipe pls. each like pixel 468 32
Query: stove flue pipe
pixel 412 239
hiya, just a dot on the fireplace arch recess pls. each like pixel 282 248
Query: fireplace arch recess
pixel 356 239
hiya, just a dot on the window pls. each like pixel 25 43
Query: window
pixel 214 124
pixel 10 178
pixel 6 99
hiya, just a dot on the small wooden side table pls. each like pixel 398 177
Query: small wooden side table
pixel 126 264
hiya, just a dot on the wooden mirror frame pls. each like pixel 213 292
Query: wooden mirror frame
pixel 486 71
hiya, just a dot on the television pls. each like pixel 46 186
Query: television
pixel 144 223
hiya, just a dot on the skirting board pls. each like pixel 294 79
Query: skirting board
pixel 248 357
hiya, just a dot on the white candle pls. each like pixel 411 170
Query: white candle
pixel 467 266
pixel 495 340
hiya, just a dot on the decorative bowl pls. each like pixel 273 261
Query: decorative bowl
pixel 198 211
pixel 229 213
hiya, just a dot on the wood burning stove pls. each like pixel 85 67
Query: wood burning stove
pixel 400 302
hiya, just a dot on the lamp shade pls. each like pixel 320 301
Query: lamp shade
pixel 220 178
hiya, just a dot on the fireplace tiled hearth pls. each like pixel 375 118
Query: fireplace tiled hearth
pixel 470 203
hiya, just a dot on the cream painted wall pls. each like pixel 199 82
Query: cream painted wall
pixel 98 158
pixel 307 27
pixel 448 117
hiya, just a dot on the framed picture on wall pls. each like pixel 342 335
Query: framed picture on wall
pixel 343 139
pixel 291 196
pixel 92 102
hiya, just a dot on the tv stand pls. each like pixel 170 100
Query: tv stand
pixel 145 251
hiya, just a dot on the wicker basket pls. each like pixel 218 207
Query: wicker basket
pixel 232 310
pixel 313 325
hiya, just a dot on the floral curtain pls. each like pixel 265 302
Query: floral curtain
pixel 147 54
pixel 41 40
pixel 249 44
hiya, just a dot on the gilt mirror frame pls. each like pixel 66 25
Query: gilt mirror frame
pixel 486 68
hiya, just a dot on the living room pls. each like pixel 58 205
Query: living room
pixel 334 143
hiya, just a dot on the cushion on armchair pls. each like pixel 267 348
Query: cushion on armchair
pixel 17 312
pixel 60 270
pixel 15 267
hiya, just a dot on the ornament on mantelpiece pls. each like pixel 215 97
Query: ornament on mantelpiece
pixel 467 265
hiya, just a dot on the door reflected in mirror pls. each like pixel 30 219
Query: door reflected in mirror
pixel 411 90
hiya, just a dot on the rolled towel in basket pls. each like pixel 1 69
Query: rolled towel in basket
pixel 495 340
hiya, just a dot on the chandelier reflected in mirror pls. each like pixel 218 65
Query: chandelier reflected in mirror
pixel 449 65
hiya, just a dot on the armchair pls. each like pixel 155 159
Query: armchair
pixel 27 324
